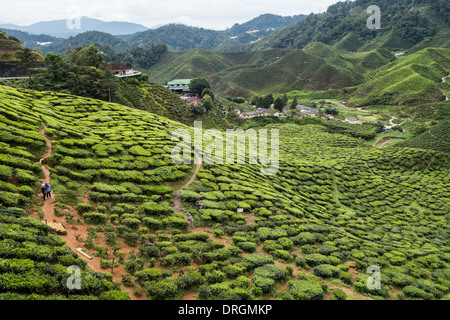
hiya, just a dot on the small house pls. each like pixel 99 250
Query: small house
pixel 121 70
pixel 179 85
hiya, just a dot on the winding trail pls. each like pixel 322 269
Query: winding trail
pixel 176 198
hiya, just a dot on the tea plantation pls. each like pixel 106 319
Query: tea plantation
pixel 310 232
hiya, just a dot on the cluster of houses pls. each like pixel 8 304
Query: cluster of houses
pixel 262 112
pixel 300 109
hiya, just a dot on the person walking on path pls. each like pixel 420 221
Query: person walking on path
pixel 43 190
pixel 48 190
pixel 191 221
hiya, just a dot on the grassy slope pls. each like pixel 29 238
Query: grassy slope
pixel 154 98
pixel 435 138
pixel 198 62
pixel 412 79
pixel 317 67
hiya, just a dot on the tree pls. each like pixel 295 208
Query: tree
pixel 208 91
pixel 285 99
pixel 207 102
pixel 279 104
pixel 332 111
pixel 27 60
pixel 322 103
pixel 197 85
pixel 260 102
pixel 268 100
pixel 86 56
pixel 254 100
pixel 294 104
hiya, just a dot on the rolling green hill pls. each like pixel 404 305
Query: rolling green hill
pixel 435 138
pixel 413 79
pixel 199 62
pixel 316 67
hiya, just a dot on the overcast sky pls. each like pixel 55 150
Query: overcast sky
pixel 212 14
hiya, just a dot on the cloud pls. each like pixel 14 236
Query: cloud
pixel 214 14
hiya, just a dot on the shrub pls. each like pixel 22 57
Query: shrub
pixel 25 176
pixel 152 208
pixel 415 292
pixel 266 284
pixel 339 295
pixel 305 290
pixel 114 295
pixel 95 218
pixel 178 223
pixel 190 196
pixel 215 276
pixel 148 275
pixel 190 280
pixel 258 260
pixel 166 289
pixel 153 224
pixel 326 271
pixel 316 259
pixel 84 207
pixel 271 271
pixel 176 259
pixel 247 246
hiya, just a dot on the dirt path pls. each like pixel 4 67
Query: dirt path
pixel 176 198
pixel 48 206
pixel 77 231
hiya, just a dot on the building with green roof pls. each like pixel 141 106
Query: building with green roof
pixel 181 85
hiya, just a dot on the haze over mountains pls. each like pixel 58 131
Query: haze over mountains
pixel 139 35
pixel 66 28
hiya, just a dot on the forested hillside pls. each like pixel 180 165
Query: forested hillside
pixel 404 25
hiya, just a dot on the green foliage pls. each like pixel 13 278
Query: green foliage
pixel 197 85
pixel 165 289
pixel 305 290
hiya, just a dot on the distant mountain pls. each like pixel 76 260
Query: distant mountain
pixel 86 39
pixel 60 28
pixel 122 36
pixel 260 27
pixel 180 37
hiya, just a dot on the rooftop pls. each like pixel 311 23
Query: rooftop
pixel 179 81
